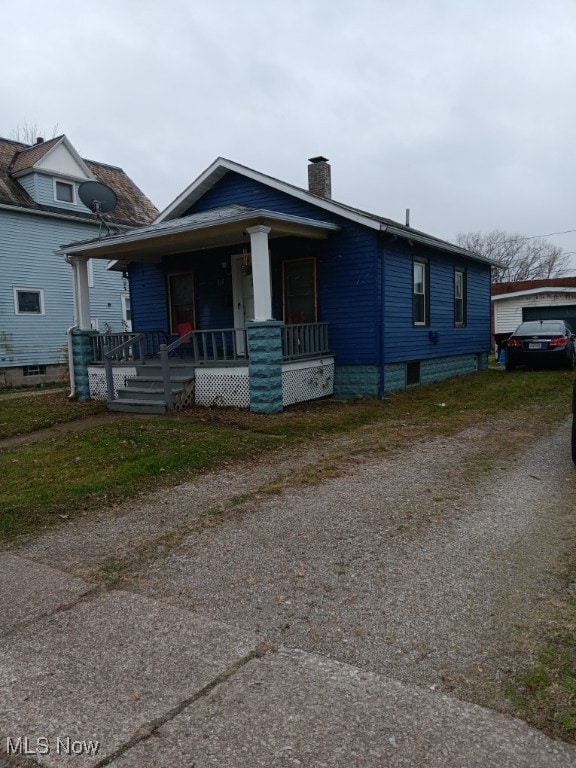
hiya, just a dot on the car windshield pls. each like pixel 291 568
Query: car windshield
pixel 540 326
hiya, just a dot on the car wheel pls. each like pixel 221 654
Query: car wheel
pixel 571 360
pixel 574 439
pixel 510 366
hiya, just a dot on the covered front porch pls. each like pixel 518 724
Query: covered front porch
pixel 149 372
pixel 206 290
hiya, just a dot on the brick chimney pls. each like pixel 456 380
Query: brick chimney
pixel 319 180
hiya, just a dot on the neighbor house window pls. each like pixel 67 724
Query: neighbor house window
pixel 181 297
pixel 299 290
pixel 459 297
pixel 29 301
pixel 34 370
pixel 420 293
pixel 64 191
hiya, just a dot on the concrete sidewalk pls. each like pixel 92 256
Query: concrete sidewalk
pixel 92 678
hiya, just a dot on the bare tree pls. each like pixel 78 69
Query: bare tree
pixel 522 258
pixel 27 132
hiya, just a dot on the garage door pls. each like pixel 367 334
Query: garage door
pixel 566 312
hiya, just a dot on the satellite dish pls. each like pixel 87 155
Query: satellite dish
pixel 98 197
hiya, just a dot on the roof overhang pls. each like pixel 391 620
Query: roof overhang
pixel 567 290
pixel 221 166
pixel 195 233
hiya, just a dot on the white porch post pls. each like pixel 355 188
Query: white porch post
pixel 261 272
pixel 81 292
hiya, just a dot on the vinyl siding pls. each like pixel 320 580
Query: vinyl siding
pixel 350 266
pixel 27 259
pixel 508 312
pixel 402 340
pixel 347 266
pixel 148 297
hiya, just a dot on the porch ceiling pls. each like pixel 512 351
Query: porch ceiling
pixel 197 232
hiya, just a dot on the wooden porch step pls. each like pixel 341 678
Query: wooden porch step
pixel 137 406
pixel 148 394
pixel 156 381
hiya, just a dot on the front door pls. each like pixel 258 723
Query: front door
pixel 242 297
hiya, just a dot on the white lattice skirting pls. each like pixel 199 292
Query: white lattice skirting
pixel 230 387
pixel 307 380
pixel 224 387
pixel 97 380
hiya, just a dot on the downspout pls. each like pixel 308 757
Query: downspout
pixel 72 395
pixel 382 382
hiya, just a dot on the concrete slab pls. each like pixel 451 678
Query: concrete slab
pixel 298 709
pixel 104 671
pixel 29 590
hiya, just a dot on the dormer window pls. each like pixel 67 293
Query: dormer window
pixel 64 192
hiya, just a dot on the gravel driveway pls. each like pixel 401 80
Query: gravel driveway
pixel 433 565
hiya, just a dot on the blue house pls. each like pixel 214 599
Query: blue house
pixel 39 211
pixel 249 291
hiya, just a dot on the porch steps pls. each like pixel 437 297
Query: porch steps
pixel 145 392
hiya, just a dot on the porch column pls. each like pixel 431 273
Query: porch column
pixel 261 271
pixel 265 365
pixel 81 292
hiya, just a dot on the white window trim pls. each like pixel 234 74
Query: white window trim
pixel 22 289
pixel 68 183
pixel 125 300
pixel 424 293
pixel 460 298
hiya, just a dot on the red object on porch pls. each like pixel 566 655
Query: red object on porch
pixel 184 328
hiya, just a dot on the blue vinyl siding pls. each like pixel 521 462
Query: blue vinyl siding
pixel 347 264
pixel 148 297
pixel 351 265
pixel 27 259
pixel 404 341
pixel 45 194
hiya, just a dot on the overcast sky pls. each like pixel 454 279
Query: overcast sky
pixel 463 111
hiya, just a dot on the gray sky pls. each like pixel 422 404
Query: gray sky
pixel 463 111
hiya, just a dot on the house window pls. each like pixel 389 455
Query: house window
pixel 412 373
pixel 459 297
pixel 299 290
pixel 126 312
pixel 34 370
pixel 29 301
pixel 420 293
pixel 64 191
pixel 181 298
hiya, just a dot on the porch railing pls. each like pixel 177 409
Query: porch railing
pixel 302 340
pixel 132 348
pixel 118 346
pixel 212 347
pixel 222 345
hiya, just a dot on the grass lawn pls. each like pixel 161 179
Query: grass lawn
pixel 22 412
pixel 90 468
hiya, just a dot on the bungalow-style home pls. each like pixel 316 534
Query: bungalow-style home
pixel 39 211
pixel 249 291
pixel 546 299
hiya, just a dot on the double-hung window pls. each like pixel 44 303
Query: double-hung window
pixel 421 299
pixel 459 297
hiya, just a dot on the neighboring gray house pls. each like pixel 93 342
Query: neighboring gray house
pixel 39 211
